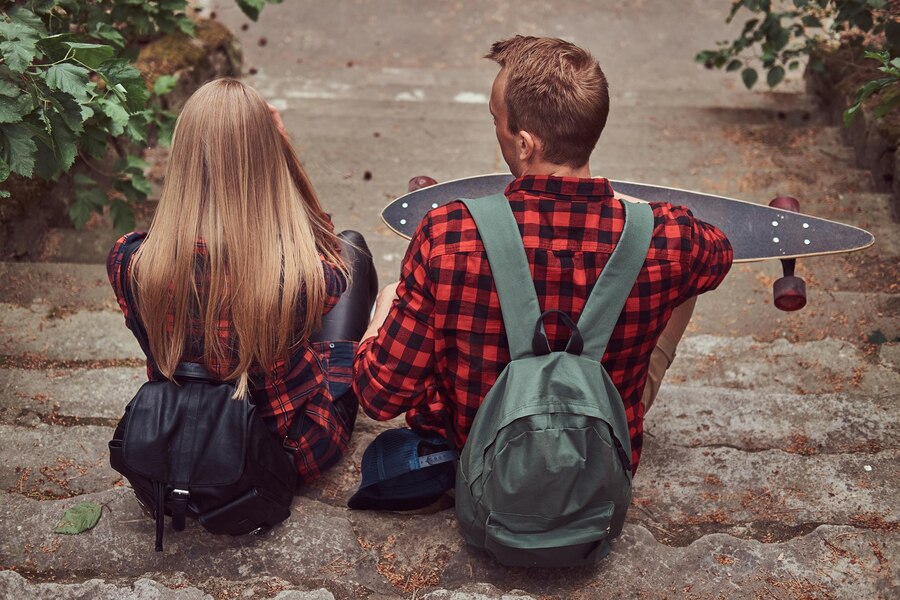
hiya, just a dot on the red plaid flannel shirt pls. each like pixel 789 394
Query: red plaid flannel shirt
pixel 443 344
pixel 297 388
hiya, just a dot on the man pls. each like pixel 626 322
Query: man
pixel 435 346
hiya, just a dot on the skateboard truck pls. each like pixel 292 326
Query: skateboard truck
pixel 789 291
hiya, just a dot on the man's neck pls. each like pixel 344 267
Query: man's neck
pixel 554 170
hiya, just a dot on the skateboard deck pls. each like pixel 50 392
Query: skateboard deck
pixel 756 232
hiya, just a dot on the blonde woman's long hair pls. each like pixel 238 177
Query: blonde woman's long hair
pixel 234 182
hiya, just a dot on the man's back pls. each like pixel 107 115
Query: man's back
pixel 444 343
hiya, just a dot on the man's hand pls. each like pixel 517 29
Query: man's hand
pixel 383 304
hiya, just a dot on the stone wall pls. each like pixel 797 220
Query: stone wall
pixel 875 141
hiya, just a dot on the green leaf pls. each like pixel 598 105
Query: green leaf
pixel 136 95
pixel 92 55
pixel 749 76
pixel 70 79
pixel 4 170
pixel 122 214
pixel 878 4
pixel 18 148
pixel 106 32
pixel 79 518
pixel 734 65
pixel 136 129
pixel 13 109
pixel 251 8
pixel 118 71
pixel 887 105
pixel 18 54
pixel 164 84
pixel 64 141
pixel 94 141
pixel 186 26
pixel 83 180
pixel 70 111
pixel 126 186
pixel 126 82
pixel 776 74
pixel 10 89
pixel 116 113
pixel 92 197
pixel 136 163
pixel 165 127
pixel 850 114
pixel 46 164
pixel 23 16
pixel 18 31
pixel 140 183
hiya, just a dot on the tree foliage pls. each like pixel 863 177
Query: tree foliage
pixel 781 34
pixel 68 89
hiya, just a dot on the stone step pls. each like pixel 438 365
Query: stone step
pixel 40 333
pixel 50 461
pixel 779 366
pixel 72 395
pixel 68 440
pixel 769 495
pixel 61 285
pixel 762 419
pixel 743 306
pixel 391 555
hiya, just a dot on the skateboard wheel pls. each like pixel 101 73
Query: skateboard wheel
pixel 786 203
pixel 790 293
pixel 422 181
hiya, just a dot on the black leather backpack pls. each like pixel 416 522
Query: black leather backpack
pixel 190 449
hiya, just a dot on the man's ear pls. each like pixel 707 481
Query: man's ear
pixel 529 147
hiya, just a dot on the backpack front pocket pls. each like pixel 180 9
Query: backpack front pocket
pixel 535 541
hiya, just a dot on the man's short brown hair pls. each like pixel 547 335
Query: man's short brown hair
pixel 555 91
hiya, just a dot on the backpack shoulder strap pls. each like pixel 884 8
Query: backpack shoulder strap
pixel 509 266
pixel 604 305
pixel 128 294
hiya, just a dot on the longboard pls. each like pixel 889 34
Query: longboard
pixel 756 232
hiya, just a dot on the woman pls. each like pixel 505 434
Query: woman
pixel 238 268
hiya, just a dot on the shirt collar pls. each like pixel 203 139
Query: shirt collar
pixel 562 187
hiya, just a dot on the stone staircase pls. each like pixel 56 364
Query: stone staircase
pixel 770 467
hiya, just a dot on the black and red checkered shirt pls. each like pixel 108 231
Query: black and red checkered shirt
pixel 300 387
pixel 443 344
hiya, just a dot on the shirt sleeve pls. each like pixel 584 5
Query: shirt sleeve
pixel 114 267
pixel 393 371
pixel 711 258
pixel 335 285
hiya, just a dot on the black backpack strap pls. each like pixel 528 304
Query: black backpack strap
pixel 134 323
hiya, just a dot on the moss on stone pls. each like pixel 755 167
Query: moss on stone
pixel 178 52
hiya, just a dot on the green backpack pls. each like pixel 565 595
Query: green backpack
pixel 545 476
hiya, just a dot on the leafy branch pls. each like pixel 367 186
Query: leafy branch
pixel 69 90
pixel 888 88
pixel 780 35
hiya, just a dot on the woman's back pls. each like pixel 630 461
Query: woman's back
pixel 238 267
